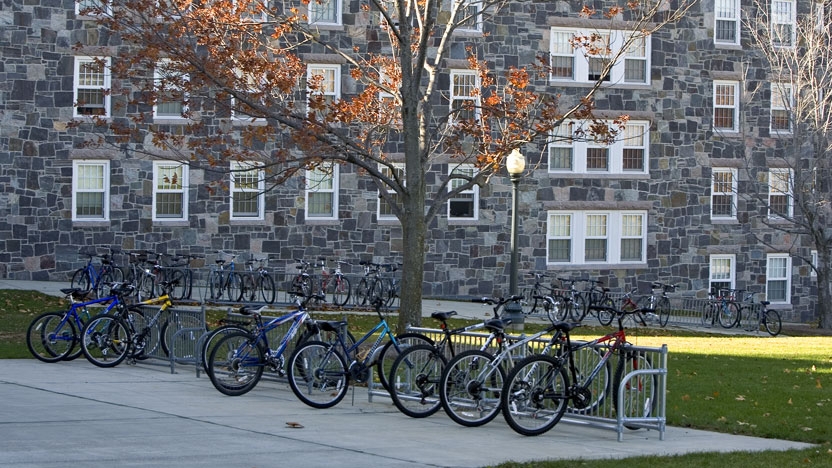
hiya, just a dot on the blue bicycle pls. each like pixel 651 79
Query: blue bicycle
pixel 97 279
pixel 55 336
pixel 318 371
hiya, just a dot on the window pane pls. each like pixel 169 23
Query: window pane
pixel 562 66
pixel 560 158
pixel 596 250
pixel 596 225
pixel 777 291
pixel 722 205
pixel 169 205
pixel 90 177
pixel 462 206
pixel 721 269
pixel 631 249
pixel 635 71
pixel 246 204
pixel 724 118
pixel 320 203
pixel 89 205
pixel 559 250
pixel 323 11
pixel 170 178
pixel 597 159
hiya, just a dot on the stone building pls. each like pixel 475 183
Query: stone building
pixel 665 204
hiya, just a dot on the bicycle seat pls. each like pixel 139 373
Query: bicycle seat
pixel 566 327
pixel 332 326
pixel 249 310
pixel 497 325
pixel 443 315
pixel 76 293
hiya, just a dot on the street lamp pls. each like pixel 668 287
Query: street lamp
pixel 515 164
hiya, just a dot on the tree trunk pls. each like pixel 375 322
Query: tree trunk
pixel 413 235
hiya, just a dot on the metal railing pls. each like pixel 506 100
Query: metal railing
pixel 173 339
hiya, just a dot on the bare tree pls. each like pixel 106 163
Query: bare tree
pixel 247 59
pixel 795 191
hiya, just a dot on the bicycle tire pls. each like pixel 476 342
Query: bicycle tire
pixel 578 307
pixel 528 304
pixel 265 285
pixel 708 314
pixel 639 396
pixel 563 307
pixel 302 285
pixel 339 288
pixel 49 338
pixel 378 290
pixel 415 380
pixel 177 285
pixel 80 280
pixel 729 315
pixel 211 340
pixel 144 343
pixel 146 289
pixel 534 397
pixel 106 341
pixel 772 322
pixel 236 363
pixel 361 292
pixel 214 285
pixel 389 353
pixel 318 375
pixel 234 287
pixel 587 359
pixel 167 331
pixel 104 286
pixel 248 291
pixel 663 311
pixel 606 311
pixel 466 400
pixel 117 274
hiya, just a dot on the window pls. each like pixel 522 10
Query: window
pixel 322 192
pixel 92 87
pixel 385 211
pixel 782 104
pixel 727 22
pixel 247 191
pixel 90 190
pixel 170 191
pixel 470 15
pixel 723 193
pixel 628 154
pixel 587 237
pixel 325 12
pixel 722 273
pixel 323 85
pixel 778 278
pixel 251 85
pixel 782 23
pixel 726 105
pixel 464 205
pixel 465 98
pixel 812 272
pixel 171 98
pixel 92 7
pixel 780 193
pixel 581 56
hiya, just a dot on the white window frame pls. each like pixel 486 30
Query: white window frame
pixel 783 13
pixel 471 8
pixel 723 99
pixel 576 230
pixel 728 13
pixel 456 96
pixel 780 183
pixel 257 191
pixel 472 194
pixel 722 269
pixel 782 100
pixel 96 81
pixel 561 47
pixel 814 260
pixel 157 79
pixel 84 4
pixel 773 274
pixel 329 88
pixel 398 167
pixel 314 178
pixel 157 190
pixel 715 173
pixel 82 185
pixel 635 136
pixel 328 12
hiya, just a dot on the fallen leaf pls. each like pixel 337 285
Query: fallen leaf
pixel 817 384
pixel 722 419
pixel 790 401
pixel 685 397
pixel 740 398
pixel 806 429
pixel 295 425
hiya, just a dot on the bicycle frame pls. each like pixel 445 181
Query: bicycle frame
pixel 72 312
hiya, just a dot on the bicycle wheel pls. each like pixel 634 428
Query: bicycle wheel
pixel 50 338
pixel 639 391
pixel 590 395
pixel 81 280
pixel 266 287
pixel 235 364
pixel 105 341
pixel 415 381
pixel 378 289
pixel 361 292
pixel 772 322
pixel 578 307
pixel 147 288
pixel 144 342
pixel 339 288
pixel 663 311
pixel 318 375
pixel 177 284
pixel 470 388
pixel 729 315
pixel 606 311
pixel 211 341
pixel 104 285
pixel 529 303
pixel 248 291
pixel 535 395
pixel 709 314
pixel 389 353
pixel 214 285
pixel 117 274
pixel 563 307
pixel 234 287
pixel 302 285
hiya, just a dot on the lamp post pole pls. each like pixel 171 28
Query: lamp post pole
pixel 515 164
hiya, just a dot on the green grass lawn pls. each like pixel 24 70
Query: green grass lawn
pixel 755 385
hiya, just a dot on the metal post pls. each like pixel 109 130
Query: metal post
pixel 513 310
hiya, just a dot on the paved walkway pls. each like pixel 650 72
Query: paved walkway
pixel 75 414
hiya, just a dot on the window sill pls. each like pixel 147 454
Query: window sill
pixel 463 221
pixel 171 223
pixel 724 221
pixel 323 221
pixel 596 266
pixel 601 175
pixel 91 223
pixel 245 221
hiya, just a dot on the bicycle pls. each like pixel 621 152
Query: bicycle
pixel 573 304
pixel 415 374
pixel 722 308
pixel 530 301
pixel 370 286
pixel 764 317
pixel 181 275
pixel 538 390
pixel 224 281
pixel 333 283
pixel 318 371
pixel 258 282
pixel 53 336
pixel 95 279
pixel 302 282
pixel 599 302
pixel 658 303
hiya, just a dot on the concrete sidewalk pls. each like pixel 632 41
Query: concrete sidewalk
pixel 75 414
